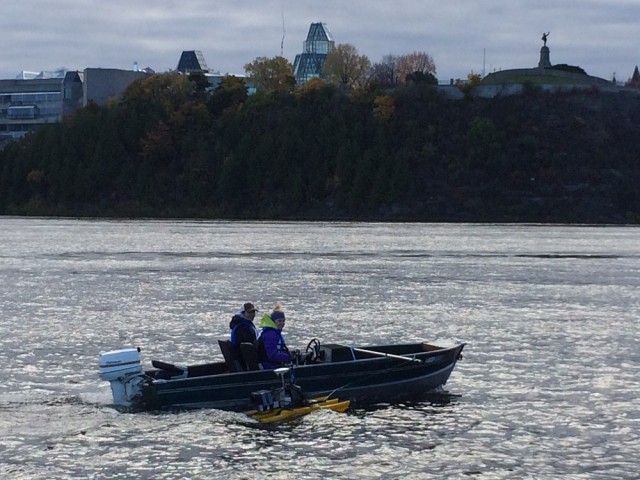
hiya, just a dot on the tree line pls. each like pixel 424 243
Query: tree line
pixel 172 148
pixel 345 67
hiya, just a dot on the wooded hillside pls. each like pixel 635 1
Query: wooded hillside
pixel 169 148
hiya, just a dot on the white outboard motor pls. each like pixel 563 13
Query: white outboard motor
pixel 122 368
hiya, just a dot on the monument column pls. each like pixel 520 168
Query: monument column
pixel 544 53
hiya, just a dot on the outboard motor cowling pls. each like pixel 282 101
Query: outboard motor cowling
pixel 123 370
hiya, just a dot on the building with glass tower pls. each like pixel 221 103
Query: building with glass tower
pixel 315 48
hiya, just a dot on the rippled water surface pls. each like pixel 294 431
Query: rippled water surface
pixel 548 387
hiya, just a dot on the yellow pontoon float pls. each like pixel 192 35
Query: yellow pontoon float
pixel 288 402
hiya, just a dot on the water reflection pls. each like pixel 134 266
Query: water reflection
pixel 547 387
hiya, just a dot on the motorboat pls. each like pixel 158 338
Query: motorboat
pixel 360 375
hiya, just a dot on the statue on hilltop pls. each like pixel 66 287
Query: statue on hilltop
pixel 544 37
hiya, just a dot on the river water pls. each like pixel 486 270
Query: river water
pixel 548 387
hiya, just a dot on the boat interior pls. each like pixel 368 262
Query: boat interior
pixel 249 362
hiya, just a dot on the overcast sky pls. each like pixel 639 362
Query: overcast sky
pixel 601 36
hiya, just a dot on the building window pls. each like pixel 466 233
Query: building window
pixel 22 112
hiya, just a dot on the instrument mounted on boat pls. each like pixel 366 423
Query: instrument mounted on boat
pixel 288 402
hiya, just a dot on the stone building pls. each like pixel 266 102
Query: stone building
pixel 103 84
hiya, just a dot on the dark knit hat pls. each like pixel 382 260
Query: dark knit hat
pixel 277 312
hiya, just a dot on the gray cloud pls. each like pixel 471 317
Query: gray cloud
pixel 462 36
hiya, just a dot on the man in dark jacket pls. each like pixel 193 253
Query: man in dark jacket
pixel 243 329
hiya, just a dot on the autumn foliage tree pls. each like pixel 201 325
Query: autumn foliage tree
pixel 415 62
pixel 383 107
pixel 230 94
pixel 393 70
pixel 345 66
pixel 271 74
pixel 385 72
pixel 473 80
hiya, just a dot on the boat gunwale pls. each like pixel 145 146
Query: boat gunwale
pixel 410 357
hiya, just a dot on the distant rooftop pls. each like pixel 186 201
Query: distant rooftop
pixel 319 39
pixel 26 75
pixel 192 61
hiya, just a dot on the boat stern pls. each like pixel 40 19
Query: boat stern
pixel 122 369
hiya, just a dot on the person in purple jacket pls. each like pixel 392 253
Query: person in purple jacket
pixel 272 349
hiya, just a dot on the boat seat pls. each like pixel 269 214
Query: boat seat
pixel 250 356
pixel 230 356
pixel 168 370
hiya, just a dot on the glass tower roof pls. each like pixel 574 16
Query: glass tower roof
pixel 315 48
